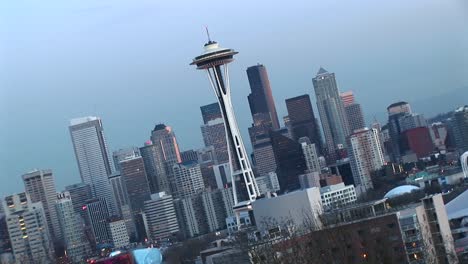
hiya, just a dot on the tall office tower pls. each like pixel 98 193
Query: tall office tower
pixel 302 120
pixel 460 128
pixel 79 193
pixel 332 114
pixel 261 98
pixel 210 112
pixel 40 186
pixel 214 60
pixel 96 217
pixel 289 159
pixel 119 190
pixel 27 228
pixel 365 156
pixel 347 98
pixel 71 226
pixel 265 161
pixel 167 154
pixel 207 160
pixel 410 121
pixel 161 217
pixel 118 233
pixel 123 154
pixel 154 166
pixel 189 179
pixel 353 111
pixel 134 176
pixel 189 155
pixel 214 134
pixel 192 216
pixel 213 205
pixel 395 112
pixel 92 156
pixel 310 154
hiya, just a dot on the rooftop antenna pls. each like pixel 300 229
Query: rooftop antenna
pixel 208 34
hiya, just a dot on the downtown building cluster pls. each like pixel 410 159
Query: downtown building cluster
pixel 156 193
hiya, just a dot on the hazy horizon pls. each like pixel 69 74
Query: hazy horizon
pixel 128 62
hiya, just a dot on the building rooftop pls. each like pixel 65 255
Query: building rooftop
pixel 397 104
pixel 322 71
pixel 81 120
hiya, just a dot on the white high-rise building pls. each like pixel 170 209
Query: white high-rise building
pixel 310 154
pixel 71 225
pixel 40 186
pixel 365 156
pixel 119 234
pixel 161 216
pixel 92 156
pixel 28 231
pixel 188 179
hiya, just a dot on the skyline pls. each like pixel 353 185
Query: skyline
pixel 37 119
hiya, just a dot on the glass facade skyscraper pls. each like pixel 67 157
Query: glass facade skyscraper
pixel 332 113
pixel 261 98
pixel 92 156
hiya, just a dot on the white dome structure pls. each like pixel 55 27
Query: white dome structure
pixel 400 190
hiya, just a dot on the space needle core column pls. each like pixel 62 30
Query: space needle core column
pixel 214 60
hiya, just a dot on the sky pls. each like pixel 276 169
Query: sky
pixel 128 62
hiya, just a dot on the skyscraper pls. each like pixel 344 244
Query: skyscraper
pixel 92 156
pixel 29 235
pixel 261 98
pixel 365 156
pixel 210 112
pixel 79 193
pixel 188 178
pixel 166 154
pixel 214 61
pixel 214 134
pixel 123 154
pixel 302 120
pixel 71 227
pixel 353 111
pixel 265 161
pixel 395 112
pixel 332 114
pixel 40 186
pixel 134 175
pixel 96 216
pixel 161 216
pixel 289 159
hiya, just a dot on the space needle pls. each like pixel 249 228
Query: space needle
pixel 214 60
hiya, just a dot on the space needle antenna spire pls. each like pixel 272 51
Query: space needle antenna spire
pixel 208 34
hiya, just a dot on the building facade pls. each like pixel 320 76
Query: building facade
pixel 365 157
pixel 161 217
pixel 332 114
pixel 71 225
pixel 92 156
pixel 261 97
pixel 302 120
pixel 96 218
pixel 214 134
pixel 136 182
pixel 40 186
pixel 338 195
pixel 189 179
pixel 119 234
pixel 30 239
